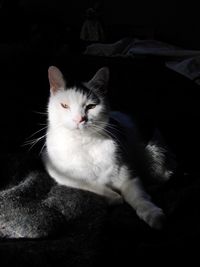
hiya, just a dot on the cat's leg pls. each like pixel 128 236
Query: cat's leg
pixel 135 195
pixel 111 196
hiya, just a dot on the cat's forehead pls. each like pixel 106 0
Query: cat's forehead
pixel 71 94
pixel 77 94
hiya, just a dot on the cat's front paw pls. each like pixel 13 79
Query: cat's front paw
pixel 154 217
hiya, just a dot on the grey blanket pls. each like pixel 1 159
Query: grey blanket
pixel 43 223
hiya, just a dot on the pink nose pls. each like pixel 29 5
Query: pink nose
pixel 79 119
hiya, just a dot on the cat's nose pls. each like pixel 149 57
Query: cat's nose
pixel 79 119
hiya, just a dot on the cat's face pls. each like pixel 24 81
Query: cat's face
pixel 81 107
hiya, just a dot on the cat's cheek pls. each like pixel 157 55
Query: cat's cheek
pixel 94 114
pixel 68 123
pixel 96 111
pixel 71 125
pixel 66 120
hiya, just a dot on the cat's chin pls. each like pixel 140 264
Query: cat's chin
pixel 85 128
pixel 80 129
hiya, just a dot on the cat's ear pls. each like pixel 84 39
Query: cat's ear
pixel 56 79
pixel 100 79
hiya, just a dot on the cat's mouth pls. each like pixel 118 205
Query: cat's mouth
pixel 84 127
pixel 89 126
pixel 81 126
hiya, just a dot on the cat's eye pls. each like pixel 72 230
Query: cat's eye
pixel 64 105
pixel 90 106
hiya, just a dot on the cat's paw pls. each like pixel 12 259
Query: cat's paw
pixel 154 217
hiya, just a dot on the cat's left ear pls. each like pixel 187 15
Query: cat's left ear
pixel 56 79
pixel 100 80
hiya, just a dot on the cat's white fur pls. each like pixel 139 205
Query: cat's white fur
pixel 79 157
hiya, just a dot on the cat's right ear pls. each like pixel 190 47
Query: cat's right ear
pixel 100 80
pixel 56 79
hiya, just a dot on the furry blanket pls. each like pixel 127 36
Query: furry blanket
pixel 43 223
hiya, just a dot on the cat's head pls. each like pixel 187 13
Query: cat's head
pixel 81 107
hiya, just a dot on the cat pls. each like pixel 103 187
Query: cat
pixel 92 148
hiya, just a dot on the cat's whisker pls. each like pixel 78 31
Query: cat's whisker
pixel 99 131
pixel 38 131
pixel 103 130
pixel 42 148
pixel 110 125
pixel 34 141
pixel 110 135
pixel 40 113
pixel 44 128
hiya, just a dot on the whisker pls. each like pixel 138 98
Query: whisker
pixel 40 113
pixel 42 148
pixel 111 135
pixel 38 131
pixel 110 127
pixel 33 142
pixel 109 124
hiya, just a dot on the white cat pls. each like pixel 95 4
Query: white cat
pixel 83 149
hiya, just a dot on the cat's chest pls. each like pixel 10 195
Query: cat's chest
pixel 86 157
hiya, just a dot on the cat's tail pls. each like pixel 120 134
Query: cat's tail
pixel 162 161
